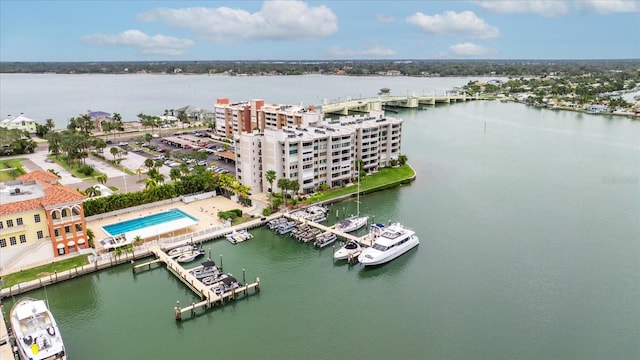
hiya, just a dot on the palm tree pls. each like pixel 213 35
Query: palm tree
pixel 139 171
pixel 175 174
pixel 92 191
pixel 114 151
pixel 402 159
pixel 149 163
pixel 270 175
pixel 54 139
pixel 150 183
pixel 283 184
pixel 90 237
pixel 116 123
pixel 294 186
pixel 49 124
pixel 102 178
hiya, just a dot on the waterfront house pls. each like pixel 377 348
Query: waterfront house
pixel 19 122
pixel 97 117
pixel 37 211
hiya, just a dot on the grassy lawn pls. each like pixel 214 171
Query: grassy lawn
pixel 60 161
pixel 15 166
pixel 384 177
pixel 44 270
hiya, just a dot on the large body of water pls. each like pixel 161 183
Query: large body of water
pixel 529 222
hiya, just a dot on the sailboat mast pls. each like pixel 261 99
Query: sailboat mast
pixel 358 196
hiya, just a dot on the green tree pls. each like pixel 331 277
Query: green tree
pixel 114 151
pixel 149 163
pixel 102 178
pixel 270 175
pixel 175 174
pixel 283 184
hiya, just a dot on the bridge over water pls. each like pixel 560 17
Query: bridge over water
pixel 382 102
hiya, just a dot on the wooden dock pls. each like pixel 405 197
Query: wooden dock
pixel 364 240
pixel 207 296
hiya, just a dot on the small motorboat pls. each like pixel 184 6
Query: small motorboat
pixel 207 268
pixel 324 239
pixel 349 249
pixel 189 256
pixel 226 285
pixel 182 249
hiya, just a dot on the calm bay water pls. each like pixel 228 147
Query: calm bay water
pixel 529 223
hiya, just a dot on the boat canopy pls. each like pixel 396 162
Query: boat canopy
pixel 208 263
pixel 32 308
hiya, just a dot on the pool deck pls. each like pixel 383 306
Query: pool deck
pixel 206 211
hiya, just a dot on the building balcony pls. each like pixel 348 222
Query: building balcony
pixel 13 229
pixel 67 219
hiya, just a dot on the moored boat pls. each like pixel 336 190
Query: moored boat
pixel 182 249
pixel 350 248
pixel 394 241
pixel 190 255
pixel 36 331
pixel 206 268
pixel 352 224
pixel 324 239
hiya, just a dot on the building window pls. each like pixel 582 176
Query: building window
pixel 19 221
pixel 9 223
pixel 56 232
pixel 40 234
pixel 67 229
pixel 64 212
pixel 78 228
pixel 23 239
pixel 54 215
pixel 3 242
pixel 1 225
pixel 12 240
pixel 36 218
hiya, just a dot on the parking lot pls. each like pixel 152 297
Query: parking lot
pixel 173 154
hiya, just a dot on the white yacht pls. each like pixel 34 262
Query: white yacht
pixel 36 331
pixel 394 241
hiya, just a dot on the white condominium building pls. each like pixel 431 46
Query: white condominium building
pixel 324 153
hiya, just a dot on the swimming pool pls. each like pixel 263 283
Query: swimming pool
pixel 161 222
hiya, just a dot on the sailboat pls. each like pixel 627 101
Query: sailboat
pixel 355 222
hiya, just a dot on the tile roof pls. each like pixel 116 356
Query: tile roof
pixel 54 194
pixel 39 176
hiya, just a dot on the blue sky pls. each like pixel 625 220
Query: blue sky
pixel 318 30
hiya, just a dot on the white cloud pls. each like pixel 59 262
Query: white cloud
pixel 277 20
pixel 468 50
pixel 373 51
pixel 385 18
pixel 464 24
pixel 145 44
pixel 560 7
pixel 610 6
pixel 539 7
